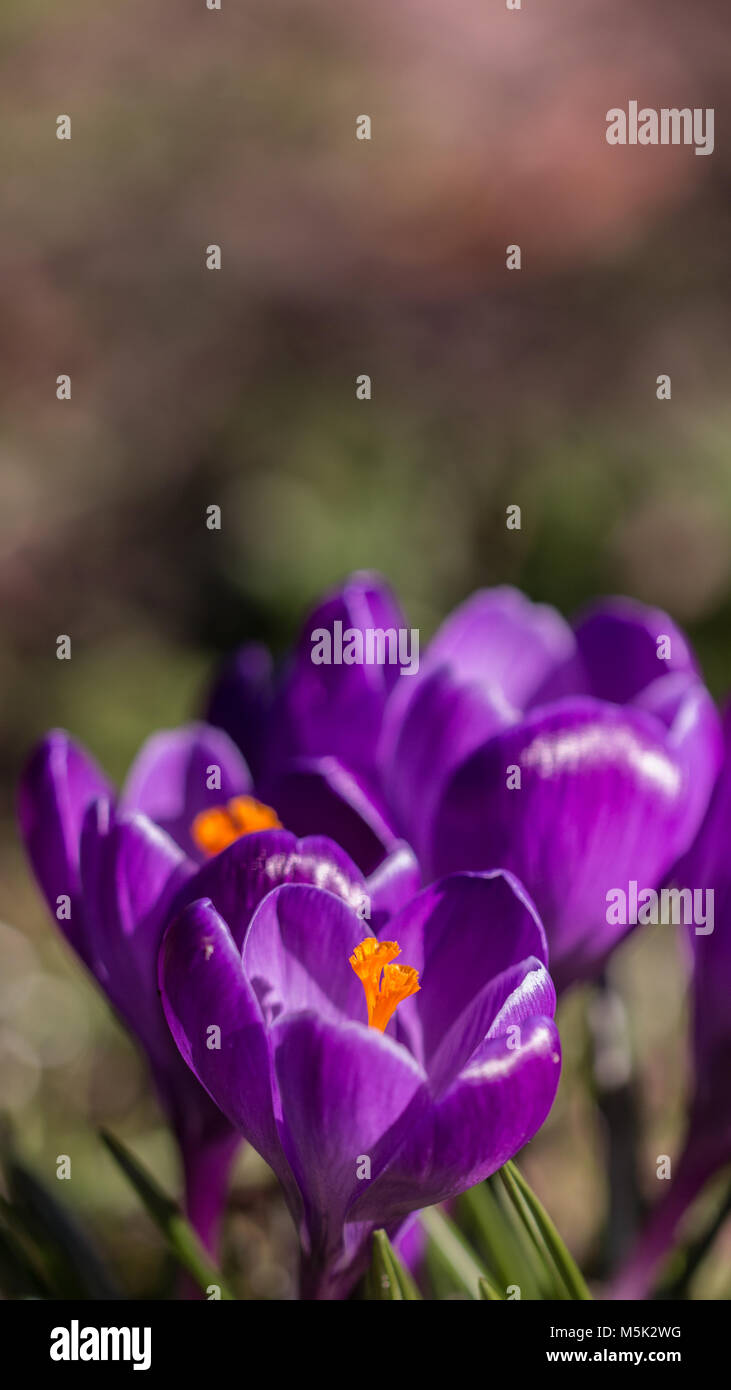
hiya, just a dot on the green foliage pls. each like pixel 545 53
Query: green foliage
pixel 503 1245
pixel 44 1251
pixel 387 1279
pixel 180 1237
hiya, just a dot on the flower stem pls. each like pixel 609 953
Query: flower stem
pixel 206 1174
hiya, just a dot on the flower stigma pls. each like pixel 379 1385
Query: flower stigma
pixel 385 985
pixel 219 826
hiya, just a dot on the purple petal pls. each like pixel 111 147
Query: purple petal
pixel 391 885
pixel 410 1244
pixel 337 709
pixel 204 988
pixel 240 702
pixel 296 952
pixel 207 1168
pixel 320 796
pixel 461 934
pixel 601 802
pixel 503 642
pixel 520 993
pixel 59 783
pixel 618 642
pixel 168 779
pixel 347 1093
pixel 707 866
pixel 239 877
pixel 445 720
pixel 682 703
pixel 527 992
pixel 130 873
pixel 494 1107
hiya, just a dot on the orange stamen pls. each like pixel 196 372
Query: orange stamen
pixel 218 827
pixel 385 985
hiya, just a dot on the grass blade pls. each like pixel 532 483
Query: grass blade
pixel 70 1262
pixel 453 1252
pixel 489 1291
pixel 510 1261
pixel 565 1265
pixel 388 1280
pixel 179 1235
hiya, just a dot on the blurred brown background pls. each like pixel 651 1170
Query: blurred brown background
pixel 237 387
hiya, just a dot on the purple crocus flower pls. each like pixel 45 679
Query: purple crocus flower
pixel 375 1074
pixel 310 739
pixel 111 866
pixel 581 758
pixel 707 1146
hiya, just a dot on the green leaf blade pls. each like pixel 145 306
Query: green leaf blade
pixel 388 1280
pixel 167 1216
pixel 453 1252
pixel 564 1263
pixel 71 1266
pixel 511 1261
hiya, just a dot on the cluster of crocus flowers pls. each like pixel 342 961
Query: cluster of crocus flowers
pixel 308 1035
pixel 371 1088
pixel 385 1045
pixel 579 757
pixel 111 867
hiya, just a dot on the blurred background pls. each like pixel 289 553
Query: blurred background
pixel 237 387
